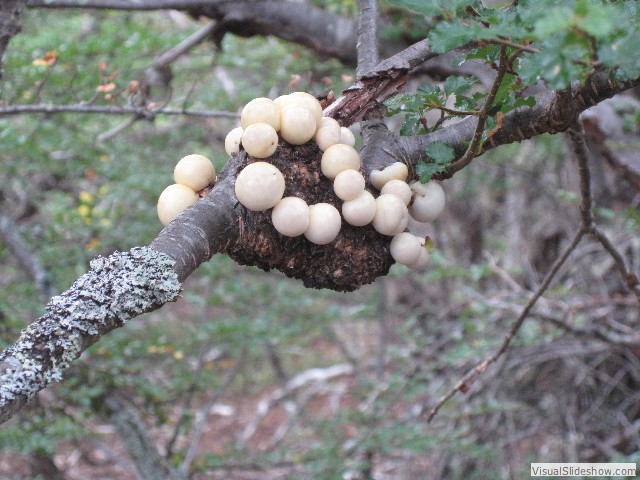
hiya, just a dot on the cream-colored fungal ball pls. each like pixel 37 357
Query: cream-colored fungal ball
pixel 405 248
pixel 428 201
pixel 260 140
pixel 328 122
pixel 348 184
pixel 232 141
pixel 297 125
pixel 423 260
pixel 324 223
pixel 391 216
pixel 259 186
pixel 328 133
pixel 359 211
pixel 396 170
pixel 338 158
pixel 307 101
pixel 194 171
pixel 290 216
pixel 399 188
pixel 282 101
pixel 347 137
pixel 173 200
pixel 260 110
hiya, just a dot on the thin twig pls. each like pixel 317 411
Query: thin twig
pixel 576 136
pixel 463 384
pixel 159 75
pixel 184 46
pixel 476 141
pixel 112 110
pixel 201 417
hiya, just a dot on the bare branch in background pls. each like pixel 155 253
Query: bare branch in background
pixel 587 226
pixel 112 110
pixel 158 77
pixel 325 33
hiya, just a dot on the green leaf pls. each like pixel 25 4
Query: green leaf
pixel 597 19
pixel 557 19
pixel 426 171
pixel 559 61
pixel 623 55
pixel 514 102
pixel 404 103
pixel 465 103
pixel 489 53
pixel 440 152
pixel 411 125
pixel 450 35
pixel 442 156
pixel 458 84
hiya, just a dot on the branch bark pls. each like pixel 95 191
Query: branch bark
pixel 554 112
pixel 116 289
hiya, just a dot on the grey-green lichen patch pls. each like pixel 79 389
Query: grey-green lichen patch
pixel 116 289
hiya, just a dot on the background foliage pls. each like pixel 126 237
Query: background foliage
pixel 295 383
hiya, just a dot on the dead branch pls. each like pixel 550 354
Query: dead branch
pixel 576 136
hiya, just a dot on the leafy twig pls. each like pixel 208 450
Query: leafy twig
pixel 476 142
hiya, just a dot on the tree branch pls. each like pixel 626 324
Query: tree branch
pixel 323 32
pixel 554 112
pixel 579 147
pixel 476 140
pixel 112 110
pixel 142 5
pixel 128 284
pixel 367 45
pixel 139 445
pixel 116 289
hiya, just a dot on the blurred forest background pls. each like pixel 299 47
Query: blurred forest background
pixel 252 376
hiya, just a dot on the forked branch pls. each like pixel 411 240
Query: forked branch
pixel 587 226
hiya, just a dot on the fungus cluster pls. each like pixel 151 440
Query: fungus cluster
pixel 297 119
pixel 398 201
pixel 193 175
pixel 260 186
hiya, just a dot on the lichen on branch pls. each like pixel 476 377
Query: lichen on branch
pixel 116 289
